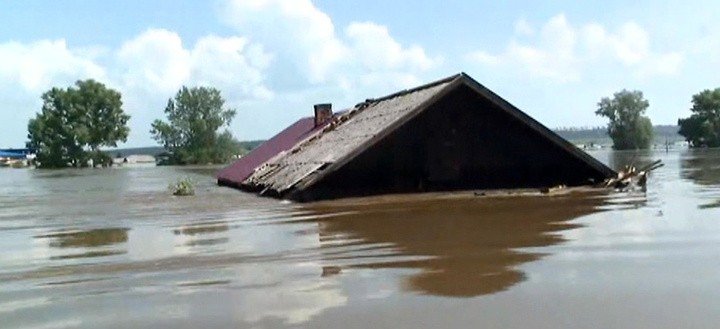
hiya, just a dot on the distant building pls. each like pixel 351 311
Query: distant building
pixel 135 159
pixel 452 134
pixel 17 158
pixel 11 155
pixel 17 153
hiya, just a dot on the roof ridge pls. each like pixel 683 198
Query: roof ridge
pixel 414 89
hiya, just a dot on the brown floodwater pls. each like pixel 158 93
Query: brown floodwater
pixel 111 248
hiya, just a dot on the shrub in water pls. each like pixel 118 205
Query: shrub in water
pixel 183 187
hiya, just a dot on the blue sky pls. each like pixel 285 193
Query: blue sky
pixel 273 59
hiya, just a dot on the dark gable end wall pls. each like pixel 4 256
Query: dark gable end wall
pixel 463 142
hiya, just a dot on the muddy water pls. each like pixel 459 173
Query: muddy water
pixel 112 249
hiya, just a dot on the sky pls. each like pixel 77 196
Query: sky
pixel 274 59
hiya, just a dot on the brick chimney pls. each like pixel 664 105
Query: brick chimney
pixel 323 113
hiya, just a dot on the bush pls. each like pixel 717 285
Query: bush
pixel 183 187
pixel 702 128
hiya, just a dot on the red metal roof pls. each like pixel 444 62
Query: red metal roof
pixel 283 141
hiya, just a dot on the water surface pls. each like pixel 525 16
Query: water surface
pixel 112 248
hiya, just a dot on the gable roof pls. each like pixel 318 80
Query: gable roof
pixel 350 134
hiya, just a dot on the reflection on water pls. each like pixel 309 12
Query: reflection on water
pixel 90 243
pixel 89 254
pixel 463 247
pixel 713 204
pixel 198 233
pixel 91 238
pixel 202 228
pixel 701 166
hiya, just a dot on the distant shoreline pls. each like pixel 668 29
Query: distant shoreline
pixel 576 135
pixel 599 136
pixel 596 136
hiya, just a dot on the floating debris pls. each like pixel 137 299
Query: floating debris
pixel 632 176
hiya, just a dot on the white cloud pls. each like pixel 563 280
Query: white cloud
pixel 562 52
pixel 296 27
pixel 483 58
pixel 284 49
pixel 665 64
pixel 376 50
pixel 40 65
pixel 302 35
pixel 232 65
pixel 155 64
pixel 553 55
pixel 523 27
pixel 29 69
pixel 147 69
pixel 631 44
pixel 157 61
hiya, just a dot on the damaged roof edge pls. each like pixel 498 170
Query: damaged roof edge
pixel 537 126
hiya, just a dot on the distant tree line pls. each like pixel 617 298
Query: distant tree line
pixel 630 128
pixel 76 122
pixel 599 129
pixel 599 135
pixel 574 134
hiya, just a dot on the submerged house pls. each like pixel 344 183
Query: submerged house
pixel 452 134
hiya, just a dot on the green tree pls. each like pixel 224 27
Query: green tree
pixel 193 133
pixel 75 122
pixel 628 127
pixel 702 128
